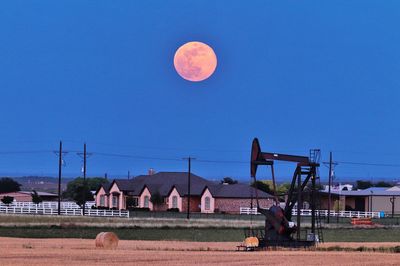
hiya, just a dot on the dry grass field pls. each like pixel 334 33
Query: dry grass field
pixel 25 251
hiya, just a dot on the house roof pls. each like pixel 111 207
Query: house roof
pixel 164 182
pixel 40 193
pixel 374 191
pixel 105 186
pixel 236 191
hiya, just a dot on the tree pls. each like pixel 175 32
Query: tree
pixel 361 184
pixel 7 200
pixel 156 199
pixel 283 188
pixel 92 184
pixel 82 194
pixel 228 180
pixel 9 185
pixel 262 185
pixel 36 198
pixel 383 184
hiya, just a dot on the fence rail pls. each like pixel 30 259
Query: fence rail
pixel 350 214
pixel 48 204
pixel 67 212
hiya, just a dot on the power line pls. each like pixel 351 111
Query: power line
pixel 121 155
pixel 25 152
pixel 135 156
pixel 369 164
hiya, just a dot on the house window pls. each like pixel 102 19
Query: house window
pixel 102 200
pixel 146 202
pixel 115 201
pixel 207 203
pixel 174 202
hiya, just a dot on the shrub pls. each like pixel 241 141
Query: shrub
pixel 173 210
pixel 140 209
pixel 7 200
pixel 36 198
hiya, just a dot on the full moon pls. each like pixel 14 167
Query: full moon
pixel 195 61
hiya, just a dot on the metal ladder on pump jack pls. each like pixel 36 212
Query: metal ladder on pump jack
pixel 315 155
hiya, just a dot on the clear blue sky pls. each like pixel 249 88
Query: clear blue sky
pixel 295 74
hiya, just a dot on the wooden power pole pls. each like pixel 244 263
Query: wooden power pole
pixel 329 186
pixel 189 159
pixel 59 178
pixel 84 177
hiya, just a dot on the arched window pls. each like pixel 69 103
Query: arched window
pixel 102 200
pixel 174 202
pixel 207 203
pixel 146 202
pixel 115 200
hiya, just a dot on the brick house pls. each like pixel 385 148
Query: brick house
pixel 229 198
pixel 205 196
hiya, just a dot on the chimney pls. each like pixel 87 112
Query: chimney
pixel 151 171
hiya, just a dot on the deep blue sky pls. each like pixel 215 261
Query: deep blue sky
pixel 296 74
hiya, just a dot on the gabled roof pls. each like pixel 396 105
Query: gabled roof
pixel 162 182
pixel 105 186
pixel 123 184
pixel 235 191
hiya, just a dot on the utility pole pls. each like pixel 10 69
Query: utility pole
pixel 129 174
pixel 329 186
pixel 188 201
pixel 84 156
pixel 84 176
pixel 59 178
pixel 60 153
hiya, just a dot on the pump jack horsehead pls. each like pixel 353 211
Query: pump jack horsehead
pixel 279 229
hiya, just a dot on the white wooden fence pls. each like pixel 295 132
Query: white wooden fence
pixel 69 212
pixel 51 208
pixel 350 214
pixel 49 204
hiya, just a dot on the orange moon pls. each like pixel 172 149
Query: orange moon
pixel 195 61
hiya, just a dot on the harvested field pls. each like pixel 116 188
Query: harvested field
pixel 18 251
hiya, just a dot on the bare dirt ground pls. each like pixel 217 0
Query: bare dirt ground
pixel 25 251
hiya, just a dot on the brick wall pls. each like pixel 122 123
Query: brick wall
pixel 160 207
pixel 194 204
pixel 232 205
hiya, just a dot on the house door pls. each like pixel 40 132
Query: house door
pixel 360 204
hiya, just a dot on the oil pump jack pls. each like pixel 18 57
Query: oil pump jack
pixel 279 228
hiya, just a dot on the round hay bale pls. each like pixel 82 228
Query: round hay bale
pixel 107 240
pixel 251 242
pixel 98 241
